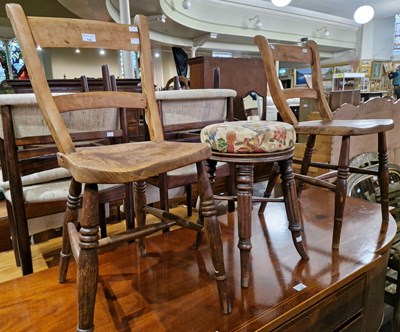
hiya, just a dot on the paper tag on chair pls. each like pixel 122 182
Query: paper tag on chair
pixel 89 37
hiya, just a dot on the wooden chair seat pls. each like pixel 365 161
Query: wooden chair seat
pixel 127 162
pixel 343 127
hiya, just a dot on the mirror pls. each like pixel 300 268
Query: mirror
pixel 253 106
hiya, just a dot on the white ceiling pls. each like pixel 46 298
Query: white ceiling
pixel 97 9
pixel 346 8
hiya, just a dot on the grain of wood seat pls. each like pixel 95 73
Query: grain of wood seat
pixel 122 163
pixel 308 55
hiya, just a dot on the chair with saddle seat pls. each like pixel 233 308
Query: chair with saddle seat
pixel 121 163
pixel 307 55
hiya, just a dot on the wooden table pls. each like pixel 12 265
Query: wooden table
pixel 172 288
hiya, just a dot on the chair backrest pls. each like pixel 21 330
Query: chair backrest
pixel 177 83
pixel 307 56
pixel 185 112
pixel 76 33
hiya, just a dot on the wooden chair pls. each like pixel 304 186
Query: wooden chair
pixel 119 164
pixel 177 83
pixel 308 55
pixel 34 185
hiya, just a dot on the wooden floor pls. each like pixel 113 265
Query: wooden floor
pixel 172 289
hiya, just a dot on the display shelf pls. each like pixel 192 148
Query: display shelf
pixel 349 81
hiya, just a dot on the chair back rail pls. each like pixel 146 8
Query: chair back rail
pixel 306 54
pixel 65 33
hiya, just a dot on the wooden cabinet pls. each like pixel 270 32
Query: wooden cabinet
pixel 356 306
pixel 240 74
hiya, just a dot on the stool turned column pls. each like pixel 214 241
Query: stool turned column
pixel 244 180
pixel 245 143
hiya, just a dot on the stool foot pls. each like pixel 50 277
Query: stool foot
pixel 299 245
pixel 245 248
pixel 292 206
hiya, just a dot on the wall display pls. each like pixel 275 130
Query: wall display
pixel 3 62
pixel 365 70
pixel 376 71
pixel 366 63
pixel 301 74
pixel 343 69
pixel 327 73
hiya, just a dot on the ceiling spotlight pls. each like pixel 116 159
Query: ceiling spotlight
pixel 38 48
pixel 281 3
pixel 323 31
pixel 102 52
pixel 258 24
pixel 186 4
pixel 77 50
pixel 364 14
pixel 154 18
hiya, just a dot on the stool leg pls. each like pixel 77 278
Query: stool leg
pixel 71 215
pixel 292 206
pixel 244 210
pixel 341 190
pixel 383 174
pixel 88 263
pixel 213 232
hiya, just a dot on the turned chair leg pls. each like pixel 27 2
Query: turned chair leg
pixel 292 206
pixel 305 165
pixel 273 179
pixel 88 264
pixel 189 197
pixel 244 207
pixel 213 232
pixel 341 190
pixel 140 202
pixel 211 168
pixel 13 231
pixel 71 215
pixel 383 175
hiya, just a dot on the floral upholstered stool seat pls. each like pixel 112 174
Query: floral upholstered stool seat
pixel 245 143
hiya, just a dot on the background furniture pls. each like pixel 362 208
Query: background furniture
pixel 240 74
pixel 177 83
pixel 183 114
pixel 35 186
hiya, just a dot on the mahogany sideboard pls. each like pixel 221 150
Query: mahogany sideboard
pixel 240 74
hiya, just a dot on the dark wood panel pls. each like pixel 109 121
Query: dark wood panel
pixel 240 74
pixel 172 289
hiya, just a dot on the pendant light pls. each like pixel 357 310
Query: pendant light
pixel 281 3
pixel 363 14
